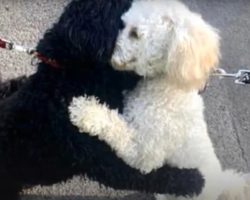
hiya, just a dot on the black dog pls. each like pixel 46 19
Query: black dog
pixel 39 145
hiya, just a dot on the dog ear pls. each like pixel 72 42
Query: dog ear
pixel 193 52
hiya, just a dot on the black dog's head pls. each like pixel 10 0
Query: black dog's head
pixel 85 33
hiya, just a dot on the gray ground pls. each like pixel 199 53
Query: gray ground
pixel 227 104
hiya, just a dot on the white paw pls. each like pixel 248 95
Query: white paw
pixel 89 115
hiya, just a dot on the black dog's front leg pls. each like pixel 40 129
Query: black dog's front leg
pixel 165 180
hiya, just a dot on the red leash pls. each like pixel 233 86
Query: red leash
pixel 4 44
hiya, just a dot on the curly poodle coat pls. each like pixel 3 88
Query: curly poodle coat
pixel 38 143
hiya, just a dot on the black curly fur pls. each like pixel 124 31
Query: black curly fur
pixel 7 88
pixel 39 145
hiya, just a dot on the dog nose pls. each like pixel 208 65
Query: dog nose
pixel 118 64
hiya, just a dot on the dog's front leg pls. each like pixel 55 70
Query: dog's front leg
pixel 96 119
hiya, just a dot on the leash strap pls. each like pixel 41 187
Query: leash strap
pixel 37 57
pixel 5 44
pixel 242 77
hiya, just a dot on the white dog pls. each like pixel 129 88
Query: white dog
pixel 175 50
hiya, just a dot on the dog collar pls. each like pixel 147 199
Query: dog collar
pixel 38 57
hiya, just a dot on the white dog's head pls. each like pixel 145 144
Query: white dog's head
pixel 165 37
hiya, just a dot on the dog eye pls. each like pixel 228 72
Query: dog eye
pixel 133 33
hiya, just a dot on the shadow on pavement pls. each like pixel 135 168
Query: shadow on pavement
pixel 136 196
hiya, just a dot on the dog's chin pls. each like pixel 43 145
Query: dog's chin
pixel 131 67
pixel 121 65
pixel 119 68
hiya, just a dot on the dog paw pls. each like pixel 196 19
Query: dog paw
pixel 89 115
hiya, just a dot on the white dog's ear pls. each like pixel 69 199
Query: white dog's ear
pixel 193 53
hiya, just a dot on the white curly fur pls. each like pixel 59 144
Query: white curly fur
pixel 163 121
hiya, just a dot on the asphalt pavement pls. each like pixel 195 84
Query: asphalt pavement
pixel 227 104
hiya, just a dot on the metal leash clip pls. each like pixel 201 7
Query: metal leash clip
pixel 242 77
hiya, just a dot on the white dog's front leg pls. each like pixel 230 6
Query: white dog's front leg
pixel 90 116
pixel 98 120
